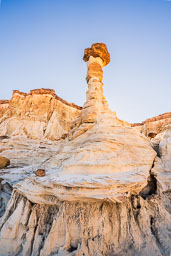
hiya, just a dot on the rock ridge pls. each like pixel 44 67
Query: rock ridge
pixel 37 114
pixel 46 91
pixel 152 126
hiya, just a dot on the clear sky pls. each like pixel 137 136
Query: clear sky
pixel 42 44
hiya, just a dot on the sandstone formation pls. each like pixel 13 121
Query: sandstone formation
pixel 105 191
pixel 152 126
pixel 3 107
pixel 37 115
pixel 97 228
pixel 26 156
pixel 4 162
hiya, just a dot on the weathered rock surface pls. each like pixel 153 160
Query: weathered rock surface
pixel 136 226
pixel 152 126
pixel 101 193
pixel 3 107
pixel 38 114
pixel 26 156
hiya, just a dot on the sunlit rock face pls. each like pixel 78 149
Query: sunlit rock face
pixel 38 114
pixel 99 196
pixel 3 107
pixel 152 126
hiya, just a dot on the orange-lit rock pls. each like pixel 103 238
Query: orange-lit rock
pixel 4 162
pixel 152 126
pixel 3 107
pixel 38 114
pixel 97 50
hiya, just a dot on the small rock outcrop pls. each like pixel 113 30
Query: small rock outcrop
pixel 152 126
pixel 4 162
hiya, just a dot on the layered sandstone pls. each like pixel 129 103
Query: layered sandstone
pixel 152 126
pixel 100 195
pixel 97 228
pixel 38 114
pixel 3 107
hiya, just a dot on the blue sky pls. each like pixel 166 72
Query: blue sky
pixel 42 44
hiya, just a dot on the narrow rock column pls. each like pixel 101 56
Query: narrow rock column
pixel 96 58
pixel 96 109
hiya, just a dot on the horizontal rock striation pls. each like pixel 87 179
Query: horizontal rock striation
pixel 152 126
pixel 38 114
pixel 4 104
pixel 162 164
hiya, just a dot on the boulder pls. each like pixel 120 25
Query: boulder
pixel 4 162
pixel 40 172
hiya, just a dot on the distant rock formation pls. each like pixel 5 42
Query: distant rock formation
pixel 152 126
pixel 37 115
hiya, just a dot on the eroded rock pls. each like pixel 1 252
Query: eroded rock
pixel 38 114
pixel 135 227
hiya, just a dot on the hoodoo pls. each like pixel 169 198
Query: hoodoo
pixel 96 200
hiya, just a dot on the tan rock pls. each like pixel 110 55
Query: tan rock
pixel 3 107
pixel 94 70
pixel 4 162
pixel 152 126
pixel 37 115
